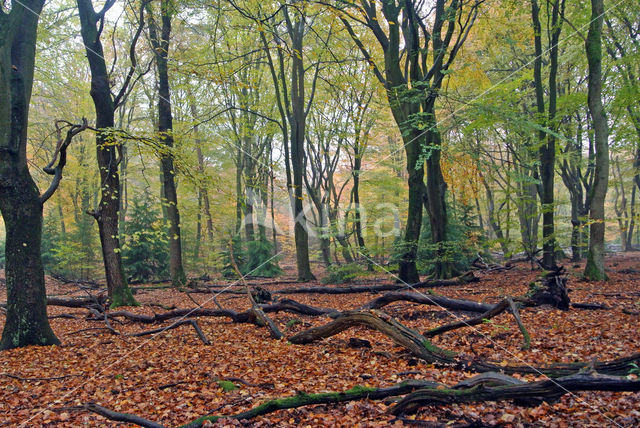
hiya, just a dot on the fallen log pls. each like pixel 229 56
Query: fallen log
pixel 418 394
pixel 592 306
pixel 80 302
pixel 121 417
pixel 299 400
pixel 428 299
pixel 286 305
pixel 411 340
pixel 237 317
pixel 492 312
pixel 465 279
pixel 618 367
pixel 66 280
pixel 527 393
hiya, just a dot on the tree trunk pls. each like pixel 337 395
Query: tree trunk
pixel 165 129
pixel 26 318
pixel 436 203
pixel 107 149
pixel 408 271
pixel 355 191
pixel 594 270
pixel 547 141
pixel 298 121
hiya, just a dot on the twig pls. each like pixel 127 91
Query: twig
pixel 35 379
pixel 176 324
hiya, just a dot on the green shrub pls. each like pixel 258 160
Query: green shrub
pixel 256 259
pixel 342 274
pixel 144 244
pixel 464 241
pixel 228 270
pixel 259 260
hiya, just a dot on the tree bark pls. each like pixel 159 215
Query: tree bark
pixel 26 318
pixel 594 269
pixel 161 47
pixel 297 119
pixel 547 151
pixel 107 148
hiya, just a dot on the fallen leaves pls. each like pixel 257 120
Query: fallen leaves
pixel 131 374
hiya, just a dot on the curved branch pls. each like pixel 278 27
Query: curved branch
pixel 61 151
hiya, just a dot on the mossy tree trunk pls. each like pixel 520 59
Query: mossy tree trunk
pixel 165 129
pixel 108 154
pixel 26 319
pixel 594 270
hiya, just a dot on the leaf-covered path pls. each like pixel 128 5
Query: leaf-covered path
pixel 173 378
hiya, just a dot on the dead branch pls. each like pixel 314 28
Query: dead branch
pixel 36 379
pixel 618 367
pixel 121 417
pixel 468 277
pixel 494 311
pixel 255 309
pixel 428 299
pixel 176 324
pixel 527 393
pixel 415 343
pixel 523 329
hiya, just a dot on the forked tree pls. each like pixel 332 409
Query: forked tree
pixel 419 43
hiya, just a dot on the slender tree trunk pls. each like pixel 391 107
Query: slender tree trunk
pixel 239 194
pixel 298 122
pixel 355 191
pixel 63 227
pixel 108 158
pixel 493 218
pixel 161 47
pixel 632 221
pixel 594 270
pixel 547 142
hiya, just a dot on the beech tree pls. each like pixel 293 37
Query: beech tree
pixel 594 268
pixel 109 149
pixel 160 41
pixel 547 140
pixel 416 61
pixel 20 200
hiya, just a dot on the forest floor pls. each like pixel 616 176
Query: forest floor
pixel 172 378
